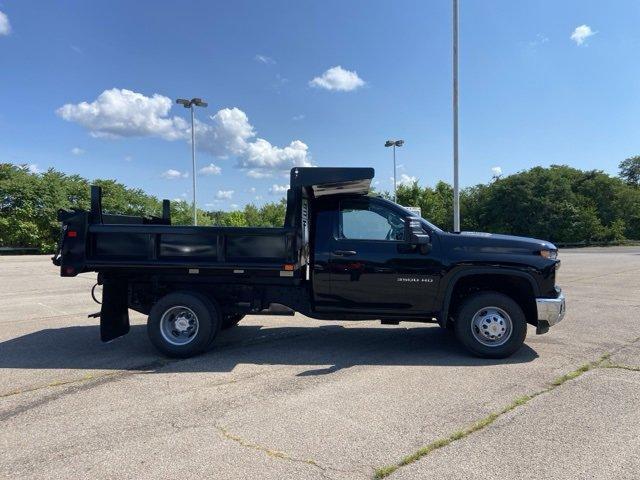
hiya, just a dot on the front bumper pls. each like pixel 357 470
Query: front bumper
pixel 550 312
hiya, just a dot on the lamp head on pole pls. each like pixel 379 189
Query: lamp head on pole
pixel 394 143
pixel 198 102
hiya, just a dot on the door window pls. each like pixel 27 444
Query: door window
pixel 367 221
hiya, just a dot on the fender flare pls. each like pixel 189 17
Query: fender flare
pixel 446 299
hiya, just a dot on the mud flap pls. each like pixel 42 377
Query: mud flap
pixel 114 314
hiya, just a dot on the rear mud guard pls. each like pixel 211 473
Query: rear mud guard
pixel 114 314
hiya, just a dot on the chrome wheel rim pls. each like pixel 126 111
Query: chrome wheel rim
pixel 491 326
pixel 179 325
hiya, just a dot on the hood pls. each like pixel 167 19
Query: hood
pixel 497 243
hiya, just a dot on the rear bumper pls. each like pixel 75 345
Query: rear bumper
pixel 550 311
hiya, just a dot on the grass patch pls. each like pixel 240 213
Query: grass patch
pixel 488 420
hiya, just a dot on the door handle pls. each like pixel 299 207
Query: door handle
pixel 344 253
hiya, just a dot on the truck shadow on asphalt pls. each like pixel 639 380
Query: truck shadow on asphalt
pixel 331 348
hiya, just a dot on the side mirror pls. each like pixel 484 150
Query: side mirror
pixel 414 233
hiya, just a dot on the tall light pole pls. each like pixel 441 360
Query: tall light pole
pixel 394 144
pixel 456 187
pixel 190 104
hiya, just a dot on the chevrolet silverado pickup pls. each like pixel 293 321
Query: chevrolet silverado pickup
pixel 342 254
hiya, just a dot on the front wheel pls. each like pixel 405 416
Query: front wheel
pixel 183 324
pixel 491 325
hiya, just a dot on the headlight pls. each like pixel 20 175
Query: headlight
pixel 550 254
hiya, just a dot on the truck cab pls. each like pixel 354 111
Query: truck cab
pixel 341 254
pixel 365 262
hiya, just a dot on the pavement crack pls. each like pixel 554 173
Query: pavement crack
pixel 73 386
pixel 276 453
pixel 484 422
pixel 147 368
pixel 632 368
pixel 621 366
pixel 56 383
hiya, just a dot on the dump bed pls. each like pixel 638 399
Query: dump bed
pixel 93 241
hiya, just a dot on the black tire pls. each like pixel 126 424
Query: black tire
pixel 476 304
pixel 186 305
pixel 231 321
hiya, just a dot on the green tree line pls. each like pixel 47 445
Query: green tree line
pixel 559 203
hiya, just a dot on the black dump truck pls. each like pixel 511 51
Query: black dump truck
pixel 342 254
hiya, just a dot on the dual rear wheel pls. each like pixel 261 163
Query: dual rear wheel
pixel 183 324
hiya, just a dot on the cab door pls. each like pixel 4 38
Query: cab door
pixel 373 268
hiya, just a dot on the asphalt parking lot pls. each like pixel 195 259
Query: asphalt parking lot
pixel 291 397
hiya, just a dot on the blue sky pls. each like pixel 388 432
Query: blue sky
pixel 534 90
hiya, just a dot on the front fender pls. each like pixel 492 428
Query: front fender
pixel 450 283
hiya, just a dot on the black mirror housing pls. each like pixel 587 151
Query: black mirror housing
pixel 414 232
pixel 420 239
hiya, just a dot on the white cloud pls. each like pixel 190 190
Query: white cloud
pixel 210 169
pixel 172 174
pixel 297 118
pixel 77 151
pixel 259 174
pixel 278 189
pixel 581 33
pixel 263 158
pixel 231 134
pixel 264 59
pixel 405 179
pixel 496 171
pixel 76 49
pixel 123 113
pixel 339 79
pixel 234 206
pixel 226 135
pixel 33 168
pixel 128 158
pixel 252 190
pixel 5 26
pixel 224 194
